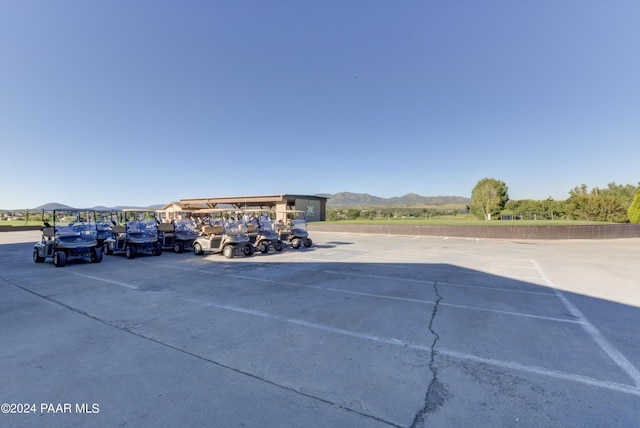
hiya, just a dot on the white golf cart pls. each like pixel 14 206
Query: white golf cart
pixel 222 231
pixel 292 225
pixel 67 235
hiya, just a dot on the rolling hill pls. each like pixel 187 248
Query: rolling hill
pixel 410 199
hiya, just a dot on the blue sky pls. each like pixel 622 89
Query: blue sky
pixel 146 102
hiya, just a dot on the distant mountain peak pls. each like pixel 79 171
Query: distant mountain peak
pixel 360 199
pixel 52 206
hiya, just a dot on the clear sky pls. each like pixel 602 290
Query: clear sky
pixel 148 101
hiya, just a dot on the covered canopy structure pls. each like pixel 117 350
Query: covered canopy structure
pixel 315 207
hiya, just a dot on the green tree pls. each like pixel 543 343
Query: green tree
pixel 634 210
pixel 529 209
pixel 488 198
pixel 610 204
pixel 553 209
pixel 623 193
pixel 579 204
pixel 353 214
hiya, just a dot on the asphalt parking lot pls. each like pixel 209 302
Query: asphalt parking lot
pixel 358 331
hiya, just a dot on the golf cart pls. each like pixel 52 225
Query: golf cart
pixel 103 224
pixel 177 230
pixel 222 231
pixel 135 231
pixel 71 236
pixel 293 228
pixel 262 230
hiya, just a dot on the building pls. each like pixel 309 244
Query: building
pixel 171 211
pixel 315 207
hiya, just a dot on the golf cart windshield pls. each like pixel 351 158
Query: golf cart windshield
pixel 74 224
pixel 103 223
pixel 296 220
pixel 261 221
pixel 268 225
pixel 185 225
pixel 142 223
pixel 235 226
pixel 298 224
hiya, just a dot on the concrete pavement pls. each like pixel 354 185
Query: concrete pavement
pixel 358 331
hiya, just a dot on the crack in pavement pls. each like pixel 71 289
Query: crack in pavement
pixel 436 393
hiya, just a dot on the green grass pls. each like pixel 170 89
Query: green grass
pixel 20 223
pixel 463 221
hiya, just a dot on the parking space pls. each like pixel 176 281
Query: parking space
pixel 358 330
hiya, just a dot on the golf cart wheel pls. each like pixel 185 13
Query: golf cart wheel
pixel 296 243
pixel 96 255
pixel 278 246
pixel 36 257
pixel 157 250
pixel 106 250
pixel 228 251
pixel 59 258
pixel 263 247
pixel 307 242
pixel 130 252
pixel 197 249
pixel 178 247
pixel 248 250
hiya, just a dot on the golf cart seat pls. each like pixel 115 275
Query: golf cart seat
pixel 118 229
pixel 166 227
pixel 212 230
pixel 48 232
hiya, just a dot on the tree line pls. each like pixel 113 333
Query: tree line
pixel 616 203
pixel 372 213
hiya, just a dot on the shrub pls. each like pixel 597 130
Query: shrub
pixel 634 209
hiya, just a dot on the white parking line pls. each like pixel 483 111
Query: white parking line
pixel 619 359
pixel 517 314
pixel 421 281
pixel 391 341
pixel 121 284
pixel 502 290
pixel 629 389
pixel 595 334
pixel 387 297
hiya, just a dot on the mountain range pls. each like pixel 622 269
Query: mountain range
pixel 342 199
pixel 59 206
pixel 410 199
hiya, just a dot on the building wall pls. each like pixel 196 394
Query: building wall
pixel 312 209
